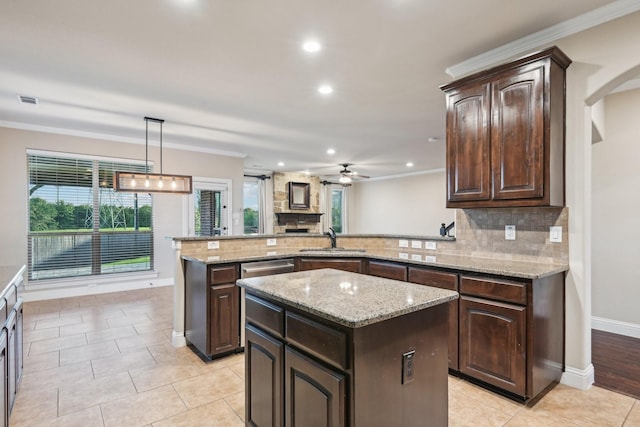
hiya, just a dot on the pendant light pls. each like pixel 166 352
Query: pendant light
pixel 141 182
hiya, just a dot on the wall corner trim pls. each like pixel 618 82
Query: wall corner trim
pixel 581 379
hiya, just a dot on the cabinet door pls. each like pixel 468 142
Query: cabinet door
pixel 517 134
pixel 4 405
pixel 468 144
pixel 264 358
pixel 352 265
pixel 11 359
pixel 389 270
pixel 314 395
pixel 493 343
pixel 224 328
pixel 437 279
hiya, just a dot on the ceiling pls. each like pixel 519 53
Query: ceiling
pixel 230 77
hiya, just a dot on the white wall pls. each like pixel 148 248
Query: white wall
pixel 413 205
pixel 616 211
pixel 168 209
pixel 600 55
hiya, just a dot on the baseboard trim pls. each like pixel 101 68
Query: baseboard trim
pixel 178 339
pixel 99 288
pixel 615 327
pixel 581 379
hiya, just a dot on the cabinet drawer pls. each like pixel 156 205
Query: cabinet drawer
pixel 264 314
pixel 388 270
pixel 220 275
pixel 502 290
pixel 319 340
pixel 433 278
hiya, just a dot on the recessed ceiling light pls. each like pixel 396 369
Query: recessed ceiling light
pixel 331 151
pixel 311 46
pixel 325 89
pixel 409 164
pixel 280 163
pixel 433 139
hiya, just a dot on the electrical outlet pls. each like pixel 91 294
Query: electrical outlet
pixel 510 232
pixel 416 257
pixel 403 255
pixel 271 242
pixel 213 245
pixel 408 366
pixel 430 245
pixel 272 253
pixel 429 258
pixel 416 244
pixel 403 243
pixel 555 234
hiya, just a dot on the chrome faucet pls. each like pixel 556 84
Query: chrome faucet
pixel 332 235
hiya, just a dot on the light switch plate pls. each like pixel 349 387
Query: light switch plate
pixel 416 244
pixel 271 242
pixel 555 234
pixel 403 243
pixel 213 245
pixel 416 257
pixel 430 245
pixel 510 232
pixel 429 258
pixel 403 255
pixel 271 253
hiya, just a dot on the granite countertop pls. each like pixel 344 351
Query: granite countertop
pixel 517 269
pixel 349 299
pixel 302 235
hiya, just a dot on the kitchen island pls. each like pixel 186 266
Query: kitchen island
pixel 327 347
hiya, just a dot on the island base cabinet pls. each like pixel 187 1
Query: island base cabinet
pixel 315 396
pixel 493 343
pixel 264 358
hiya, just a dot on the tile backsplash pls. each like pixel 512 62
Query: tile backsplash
pixel 481 232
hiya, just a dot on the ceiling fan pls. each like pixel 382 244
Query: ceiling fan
pixel 346 176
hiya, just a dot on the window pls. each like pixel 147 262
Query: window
pixel 337 208
pixel 251 197
pixel 79 226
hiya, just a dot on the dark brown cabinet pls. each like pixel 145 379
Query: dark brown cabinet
pixel 225 318
pixel 388 270
pixel 314 394
pixel 331 375
pixel 492 343
pixel 264 358
pixel 212 308
pixel 505 134
pixel 353 265
pixel 512 332
pixel 443 280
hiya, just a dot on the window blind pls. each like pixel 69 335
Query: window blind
pixel 78 226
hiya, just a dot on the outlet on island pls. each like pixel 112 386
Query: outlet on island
pixel 271 242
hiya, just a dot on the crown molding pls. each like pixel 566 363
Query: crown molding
pixel 549 35
pixel 115 138
pixel 402 175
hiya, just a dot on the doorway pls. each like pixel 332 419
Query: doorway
pixel 209 208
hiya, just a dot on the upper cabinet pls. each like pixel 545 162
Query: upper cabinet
pixel 505 134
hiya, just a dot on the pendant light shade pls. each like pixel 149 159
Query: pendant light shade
pixel 152 182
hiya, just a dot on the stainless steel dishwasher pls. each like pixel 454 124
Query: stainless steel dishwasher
pixel 257 269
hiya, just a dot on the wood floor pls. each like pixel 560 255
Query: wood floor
pixel 616 360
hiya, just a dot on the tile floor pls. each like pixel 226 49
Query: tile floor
pixel 107 360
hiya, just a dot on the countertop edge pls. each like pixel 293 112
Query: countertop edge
pixel 550 269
